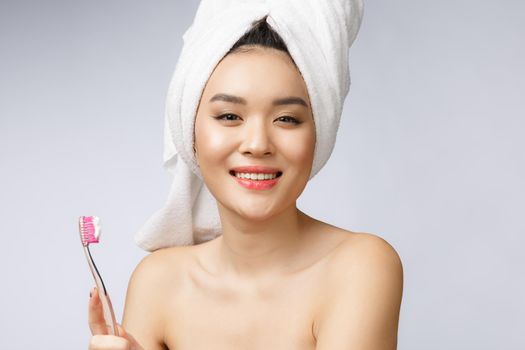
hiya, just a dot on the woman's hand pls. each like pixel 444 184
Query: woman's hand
pixel 100 339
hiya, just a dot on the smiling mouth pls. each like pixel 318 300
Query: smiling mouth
pixel 247 176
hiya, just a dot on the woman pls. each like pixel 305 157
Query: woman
pixel 275 278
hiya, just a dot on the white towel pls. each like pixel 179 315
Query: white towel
pixel 318 35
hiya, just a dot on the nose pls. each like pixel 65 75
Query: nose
pixel 256 139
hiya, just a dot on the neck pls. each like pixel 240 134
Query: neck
pixel 252 248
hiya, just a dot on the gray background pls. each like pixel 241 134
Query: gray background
pixel 429 156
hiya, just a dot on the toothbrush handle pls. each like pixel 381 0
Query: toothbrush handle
pixel 107 308
pixel 109 314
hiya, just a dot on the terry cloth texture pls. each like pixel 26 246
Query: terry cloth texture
pixel 318 34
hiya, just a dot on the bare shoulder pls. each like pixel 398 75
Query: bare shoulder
pixel 354 250
pixel 365 259
pixel 363 295
pixel 162 262
pixel 157 270
pixel 148 287
pixel 365 251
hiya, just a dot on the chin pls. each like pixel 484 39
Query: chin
pixel 246 209
pixel 254 212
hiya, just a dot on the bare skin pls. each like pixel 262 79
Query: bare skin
pixel 276 278
pixel 177 298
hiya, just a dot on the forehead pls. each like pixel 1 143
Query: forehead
pixel 261 72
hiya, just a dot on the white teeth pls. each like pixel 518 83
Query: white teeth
pixel 255 176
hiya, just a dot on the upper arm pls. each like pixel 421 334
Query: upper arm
pixel 362 311
pixel 143 317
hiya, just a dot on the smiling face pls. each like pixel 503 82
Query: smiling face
pixel 255 111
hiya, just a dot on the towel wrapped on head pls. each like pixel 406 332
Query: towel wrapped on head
pixel 318 35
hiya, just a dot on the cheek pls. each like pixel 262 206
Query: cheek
pixel 211 143
pixel 299 148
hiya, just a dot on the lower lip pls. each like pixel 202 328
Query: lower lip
pixel 257 184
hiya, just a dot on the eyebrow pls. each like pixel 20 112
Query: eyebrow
pixel 278 102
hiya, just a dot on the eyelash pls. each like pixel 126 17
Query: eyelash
pixel 293 120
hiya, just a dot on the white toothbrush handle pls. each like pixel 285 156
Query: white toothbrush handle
pixel 107 308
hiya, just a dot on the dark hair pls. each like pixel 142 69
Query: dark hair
pixel 260 34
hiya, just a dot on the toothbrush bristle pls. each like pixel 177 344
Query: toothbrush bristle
pixel 89 229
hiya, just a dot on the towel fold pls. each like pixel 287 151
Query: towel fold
pixel 318 35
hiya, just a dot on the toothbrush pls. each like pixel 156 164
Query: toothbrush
pixel 89 227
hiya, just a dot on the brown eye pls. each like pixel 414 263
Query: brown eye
pixel 226 117
pixel 288 119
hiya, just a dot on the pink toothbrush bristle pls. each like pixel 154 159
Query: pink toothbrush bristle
pixel 88 230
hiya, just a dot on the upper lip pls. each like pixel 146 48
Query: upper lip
pixel 255 169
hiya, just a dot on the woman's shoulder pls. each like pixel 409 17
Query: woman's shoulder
pixel 149 289
pixel 363 250
pixel 353 247
pixel 363 276
pixel 164 262
pixel 365 244
pixel 349 258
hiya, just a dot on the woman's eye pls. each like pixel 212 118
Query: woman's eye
pixel 289 119
pixel 224 117
pixel 233 117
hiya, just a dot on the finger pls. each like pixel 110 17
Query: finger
pixel 121 331
pixel 99 341
pixel 134 345
pixel 96 321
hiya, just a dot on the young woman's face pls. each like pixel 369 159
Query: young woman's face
pixel 255 111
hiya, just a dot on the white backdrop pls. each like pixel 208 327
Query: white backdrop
pixel 429 156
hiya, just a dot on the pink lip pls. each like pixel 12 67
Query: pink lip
pixel 257 184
